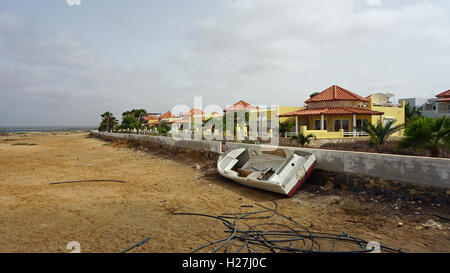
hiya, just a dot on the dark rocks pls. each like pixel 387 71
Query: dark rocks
pixel 380 187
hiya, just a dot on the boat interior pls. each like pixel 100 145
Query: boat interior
pixel 260 166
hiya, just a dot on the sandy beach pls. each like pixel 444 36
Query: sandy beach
pixel 109 217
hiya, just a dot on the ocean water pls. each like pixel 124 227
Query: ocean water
pixel 44 129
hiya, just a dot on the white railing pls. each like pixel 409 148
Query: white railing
pixel 355 134
pixel 288 134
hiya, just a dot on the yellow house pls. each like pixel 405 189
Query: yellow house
pixel 265 118
pixel 337 112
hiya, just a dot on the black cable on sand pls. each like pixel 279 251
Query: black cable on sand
pixel 136 245
pixel 82 181
pixel 293 238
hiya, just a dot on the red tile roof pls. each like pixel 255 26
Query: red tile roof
pixel 194 111
pixel 150 117
pixel 336 93
pixel 167 115
pixel 332 111
pixel 240 106
pixel 443 99
pixel 444 94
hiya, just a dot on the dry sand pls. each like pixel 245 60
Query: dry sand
pixel 109 217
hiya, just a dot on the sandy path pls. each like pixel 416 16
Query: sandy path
pixel 109 217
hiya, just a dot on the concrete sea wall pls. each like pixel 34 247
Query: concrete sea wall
pixel 396 176
pixel 202 148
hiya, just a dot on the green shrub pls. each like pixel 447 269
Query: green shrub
pixel 303 140
pixel 427 134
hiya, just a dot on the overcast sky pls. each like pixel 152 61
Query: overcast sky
pixel 65 65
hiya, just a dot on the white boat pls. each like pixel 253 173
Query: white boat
pixel 281 171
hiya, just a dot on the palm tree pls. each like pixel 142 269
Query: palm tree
pixel 108 122
pixel 412 113
pixel 303 140
pixel 427 134
pixel 379 133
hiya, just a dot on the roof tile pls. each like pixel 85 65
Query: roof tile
pixel 167 115
pixel 332 111
pixel 194 112
pixel 240 106
pixel 336 93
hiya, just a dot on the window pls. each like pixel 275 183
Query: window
pixel 360 122
pixel 317 124
pixel 386 120
pixel 346 125
pixel 341 124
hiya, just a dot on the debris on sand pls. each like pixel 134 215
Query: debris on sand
pixel 206 170
pixel 441 217
pixel 431 224
pixel 328 186
pixel 285 235
pixel 23 144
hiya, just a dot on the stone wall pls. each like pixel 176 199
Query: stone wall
pixel 199 148
pixel 378 186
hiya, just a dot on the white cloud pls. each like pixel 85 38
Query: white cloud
pixel 263 51
pixel 373 2
pixel 52 78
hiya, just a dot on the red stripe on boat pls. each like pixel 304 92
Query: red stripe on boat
pixel 300 182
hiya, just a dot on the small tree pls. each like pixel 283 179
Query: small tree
pixel 139 115
pixel 379 133
pixel 427 134
pixel 130 122
pixel 303 140
pixel 286 126
pixel 163 128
